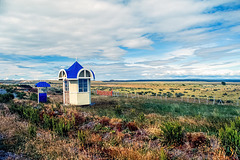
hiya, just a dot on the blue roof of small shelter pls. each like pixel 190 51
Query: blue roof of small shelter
pixel 42 84
pixel 73 70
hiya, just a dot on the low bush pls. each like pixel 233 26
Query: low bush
pixel 62 127
pixel 141 118
pixel 32 131
pixel 26 112
pixel 132 126
pixel 230 138
pixel 172 133
pixel 179 94
pixel 4 98
pixel 21 95
pixel 197 139
pixel 34 97
pixel 82 137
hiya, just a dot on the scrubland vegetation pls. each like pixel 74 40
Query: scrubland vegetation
pixel 227 92
pixel 119 128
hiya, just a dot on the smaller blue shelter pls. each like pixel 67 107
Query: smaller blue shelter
pixel 42 91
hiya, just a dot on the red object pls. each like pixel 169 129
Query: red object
pixel 105 93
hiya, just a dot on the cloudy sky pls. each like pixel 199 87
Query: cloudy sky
pixel 120 39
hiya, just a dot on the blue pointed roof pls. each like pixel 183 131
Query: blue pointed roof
pixel 73 70
pixel 42 84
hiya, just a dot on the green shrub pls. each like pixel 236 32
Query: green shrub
pixel 82 137
pixel 118 110
pixel 26 112
pixel 34 97
pixel 141 118
pixel 32 131
pixel 179 94
pixel 172 134
pixel 47 122
pixel 4 98
pixel 223 83
pixel 98 127
pixel 31 114
pixel 21 95
pixel 62 127
pixel 230 138
pixel 163 155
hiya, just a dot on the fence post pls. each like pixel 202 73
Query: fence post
pixel 199 100
pixel 214 100
pixel 181 98
pixel 187 99
pixel 207 100
pixel 237 102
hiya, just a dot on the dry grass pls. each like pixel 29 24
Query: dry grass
pixel 10 124
pixel 113 144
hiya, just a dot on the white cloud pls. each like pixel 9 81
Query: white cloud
pixel 83 27
pixel 97 29
pixel 141 43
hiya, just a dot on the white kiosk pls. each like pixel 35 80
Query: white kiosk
pixel 76 84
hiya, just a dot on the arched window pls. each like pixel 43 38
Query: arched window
pixel 88 73
pixel 62 75
pixel 81 74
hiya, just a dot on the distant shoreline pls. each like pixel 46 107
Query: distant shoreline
pixel 177 80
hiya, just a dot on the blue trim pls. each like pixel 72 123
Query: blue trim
pixel 42 84
pixel 93 74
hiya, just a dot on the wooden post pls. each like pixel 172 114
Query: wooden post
pixel 214 100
